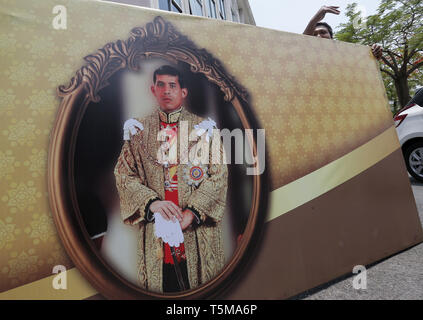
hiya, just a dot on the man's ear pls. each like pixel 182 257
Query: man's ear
pixel 184 92
pixel 152 90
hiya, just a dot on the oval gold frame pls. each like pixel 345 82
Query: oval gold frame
pixel 158 39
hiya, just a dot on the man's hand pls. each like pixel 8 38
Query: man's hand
pixel 187 219
pixel 320 15
pixel 377 51
pixel 167 209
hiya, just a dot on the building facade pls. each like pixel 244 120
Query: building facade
pixel 230 10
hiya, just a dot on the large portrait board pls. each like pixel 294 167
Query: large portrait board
pixel 314 181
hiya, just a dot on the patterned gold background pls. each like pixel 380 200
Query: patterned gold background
pixel 318 99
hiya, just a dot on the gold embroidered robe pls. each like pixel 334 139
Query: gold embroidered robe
pixel 139 180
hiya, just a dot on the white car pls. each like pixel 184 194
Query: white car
pixel 409 126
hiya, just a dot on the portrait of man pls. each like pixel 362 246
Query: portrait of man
pixel 151 189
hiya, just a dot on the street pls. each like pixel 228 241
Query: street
pixel 397 277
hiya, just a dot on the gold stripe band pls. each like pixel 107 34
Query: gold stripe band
pixel 77 288
pixel 318 182
pixel 282 200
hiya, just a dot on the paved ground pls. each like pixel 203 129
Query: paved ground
pixel 398 277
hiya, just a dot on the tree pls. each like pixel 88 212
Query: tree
pixel 398 27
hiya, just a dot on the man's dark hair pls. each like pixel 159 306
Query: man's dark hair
pixel 169 71
pixel 324 24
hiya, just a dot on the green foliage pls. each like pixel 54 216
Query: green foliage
pixel 398 27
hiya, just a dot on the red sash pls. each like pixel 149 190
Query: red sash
pixel 171 194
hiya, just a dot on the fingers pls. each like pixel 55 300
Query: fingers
pixel 332 9
pixel 158 207
pixel 326 9
pixel 377 51
pixel 187 221
pixel 168 210
pixel 184 224
pixel 176 211
pixel 166 214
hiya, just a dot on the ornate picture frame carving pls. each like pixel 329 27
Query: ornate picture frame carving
pixel 158 39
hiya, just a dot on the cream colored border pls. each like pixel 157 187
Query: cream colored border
pixel 282 200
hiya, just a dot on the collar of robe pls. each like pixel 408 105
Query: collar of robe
pixel 171 117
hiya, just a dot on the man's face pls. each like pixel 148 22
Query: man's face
pixel 168 92
pixel 322 32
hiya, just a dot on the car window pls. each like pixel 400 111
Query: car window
pixel 418 97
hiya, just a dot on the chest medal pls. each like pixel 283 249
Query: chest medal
pixel 194 174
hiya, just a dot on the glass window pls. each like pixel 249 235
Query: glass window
pixel 234 17
pixel 164 5
pixel 171 5
pixel 212 9
pixel 175 8
pixel 222 9
pixel 196 8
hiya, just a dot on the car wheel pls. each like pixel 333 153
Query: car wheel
pixel 414 160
